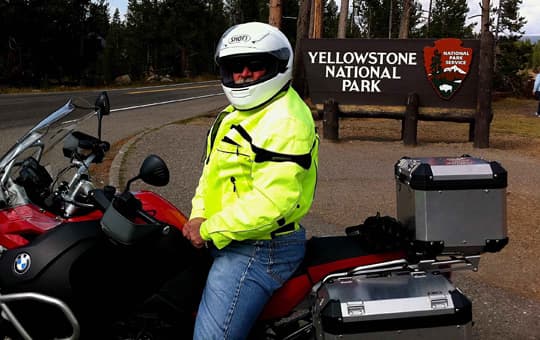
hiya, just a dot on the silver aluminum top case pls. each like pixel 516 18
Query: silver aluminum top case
pixel 452 205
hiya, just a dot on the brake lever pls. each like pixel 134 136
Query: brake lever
pixel 148 218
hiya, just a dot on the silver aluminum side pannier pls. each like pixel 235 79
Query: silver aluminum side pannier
pixel 392 306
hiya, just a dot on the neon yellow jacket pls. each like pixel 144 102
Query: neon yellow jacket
pixel 260 171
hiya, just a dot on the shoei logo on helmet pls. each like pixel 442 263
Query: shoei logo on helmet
pixel 239 38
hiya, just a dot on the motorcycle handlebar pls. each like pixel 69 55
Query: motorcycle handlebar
pixel 122 219
pixel 103 198
pixel 148 218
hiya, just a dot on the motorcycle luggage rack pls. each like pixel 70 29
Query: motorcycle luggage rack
pixel 8 314
pixel 449 264
pixel 438 265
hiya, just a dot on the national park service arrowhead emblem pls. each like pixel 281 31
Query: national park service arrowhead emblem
pixel 447 65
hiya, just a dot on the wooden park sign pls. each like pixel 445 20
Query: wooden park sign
pixel 382 77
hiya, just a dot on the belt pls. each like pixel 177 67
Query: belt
pixel 286 229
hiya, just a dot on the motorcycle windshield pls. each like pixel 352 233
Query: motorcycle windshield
pixel 49 132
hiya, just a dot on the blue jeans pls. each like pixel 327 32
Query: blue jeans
pixel 241 281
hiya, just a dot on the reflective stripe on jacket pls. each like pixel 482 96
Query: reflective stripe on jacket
pixel 260 171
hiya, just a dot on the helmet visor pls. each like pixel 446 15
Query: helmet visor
pixel 245 70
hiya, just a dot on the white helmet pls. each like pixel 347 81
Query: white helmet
pixel 254 43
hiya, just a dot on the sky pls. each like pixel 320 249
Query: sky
pixel 530 9
pixel 120 4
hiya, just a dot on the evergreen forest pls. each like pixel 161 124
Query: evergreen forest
pixel 47 43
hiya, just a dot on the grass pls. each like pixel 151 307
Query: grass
pixel 515 116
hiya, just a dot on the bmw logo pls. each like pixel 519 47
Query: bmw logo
pixel 22 263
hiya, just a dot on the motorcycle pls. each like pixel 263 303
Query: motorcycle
pixel 77 260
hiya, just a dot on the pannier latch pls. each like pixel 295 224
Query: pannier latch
pixel 438 300
pixel 355 308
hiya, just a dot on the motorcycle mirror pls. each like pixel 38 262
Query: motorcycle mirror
pixel 102 104
pixel 153 171
pixel 103 108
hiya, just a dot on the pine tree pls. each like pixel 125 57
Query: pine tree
pixel 115 61
pixel 381 18
pixel 535 56
pixel 435 65
pixel 330 20
pixel 508 21
pixel 448 20
pixel 511 55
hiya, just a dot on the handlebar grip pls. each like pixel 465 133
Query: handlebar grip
pixel 127 205
pixel 148 218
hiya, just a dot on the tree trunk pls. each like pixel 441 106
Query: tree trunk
pixel 275 13
pixel 485 16
pixel 485 79
pixel 311 11
pixel 429 19
pixel 390 16
pixel 404 22
pixel 331 120
pixel 302 31
pixel 317 16
pixel 342 25
pixel 484 113
pixel 409 125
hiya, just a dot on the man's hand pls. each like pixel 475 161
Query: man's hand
pixel 191 231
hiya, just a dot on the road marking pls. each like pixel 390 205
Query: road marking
pixel 173 89
pixel 166 102
pixel 167 85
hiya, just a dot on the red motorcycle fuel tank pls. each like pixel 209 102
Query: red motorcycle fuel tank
pixel 20 224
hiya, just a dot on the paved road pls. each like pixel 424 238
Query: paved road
pixel 121 123
pixel 25 109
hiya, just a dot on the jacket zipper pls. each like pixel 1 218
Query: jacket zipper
pixel 213 132
pixel 233 181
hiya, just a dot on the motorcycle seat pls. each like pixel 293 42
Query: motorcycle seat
pixel 324 256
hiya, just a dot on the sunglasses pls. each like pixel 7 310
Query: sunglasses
pixel 253 65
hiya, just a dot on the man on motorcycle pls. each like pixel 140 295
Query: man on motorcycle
pixel 257 183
